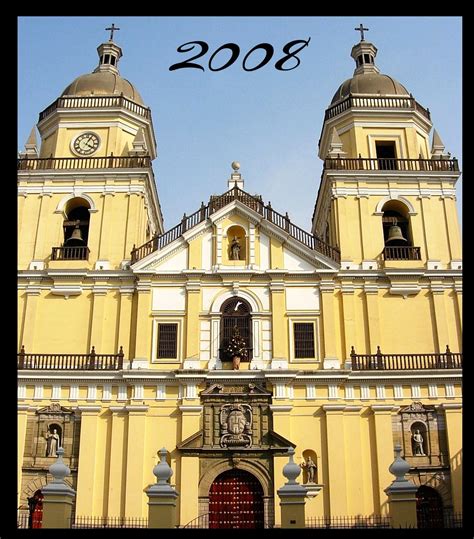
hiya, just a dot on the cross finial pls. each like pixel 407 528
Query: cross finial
pixel 360 29
pixel 112 29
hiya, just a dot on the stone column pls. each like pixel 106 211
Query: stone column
pixel 161 496
pixel 292 496
pixel 58 496
pixel 401 494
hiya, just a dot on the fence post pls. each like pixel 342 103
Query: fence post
pixel 449 358
pixel 92 359
pixel 21 357
pixel 353 358
pixel 162 496
pixel 292 496
pixel 401 494
pixel 58 496
pixel 120 358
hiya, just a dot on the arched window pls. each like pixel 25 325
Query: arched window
pixel 429 508
pixel 397 234
pixel 236 313
pixel 76 224
pixel 76 231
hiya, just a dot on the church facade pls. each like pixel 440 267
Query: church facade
pixel 236 334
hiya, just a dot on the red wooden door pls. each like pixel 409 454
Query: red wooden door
pixel 236 501
pixel 36 510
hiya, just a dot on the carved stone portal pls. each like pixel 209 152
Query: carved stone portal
pixel 236 425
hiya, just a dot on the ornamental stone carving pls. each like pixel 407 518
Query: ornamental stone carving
pixel 236 425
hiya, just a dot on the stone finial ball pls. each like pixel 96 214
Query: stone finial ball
pixel 235 165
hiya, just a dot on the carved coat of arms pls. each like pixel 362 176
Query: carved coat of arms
pixel 236 425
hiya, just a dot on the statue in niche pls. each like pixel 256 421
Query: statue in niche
pixel 235 249
pixel 52 440
pixel 310 466
pixel 417 443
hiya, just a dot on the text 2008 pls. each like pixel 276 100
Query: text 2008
pixel 291 49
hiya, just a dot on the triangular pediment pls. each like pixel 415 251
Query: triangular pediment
pixel 301 250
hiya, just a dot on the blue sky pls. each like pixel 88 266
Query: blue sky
pixel 268 120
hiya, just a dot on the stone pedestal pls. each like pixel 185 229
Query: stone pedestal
pixel 161 496
pixel 292 496
pixel 401 495
pixel 58 496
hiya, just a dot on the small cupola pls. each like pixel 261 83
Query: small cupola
pixel 109 54
pixel 364 54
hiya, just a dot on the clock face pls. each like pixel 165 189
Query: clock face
pixel 86 143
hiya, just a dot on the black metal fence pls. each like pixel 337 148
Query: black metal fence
pixel 109 522
pixel 359 521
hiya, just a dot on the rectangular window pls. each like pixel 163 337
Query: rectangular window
pixel 304 340
pixel 386 154
pixel 167 341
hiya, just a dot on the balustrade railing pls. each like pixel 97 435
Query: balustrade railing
pixel 391 362
pixel 217 202
pixel 389 164
pixel 74 362
pixel 372 102
pixel 402 253
pixel 95 102
pixel 72 163
pixel 70 253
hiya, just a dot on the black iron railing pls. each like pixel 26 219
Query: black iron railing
pixel 358 521
pixel 72 163
pixel 391 362
pixel 73 362
pixel 70 253
pixel 402 253
pixel 109 522
pixel 216 202
pixel 389 164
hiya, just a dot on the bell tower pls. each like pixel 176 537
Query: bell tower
pixel 87 191
pixel 381 172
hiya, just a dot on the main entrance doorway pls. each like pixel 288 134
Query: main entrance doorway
pixel 236 501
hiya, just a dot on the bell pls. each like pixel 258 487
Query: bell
pixel 76 239
pixel 395 234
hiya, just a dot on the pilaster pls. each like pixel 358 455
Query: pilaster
pixel 134 479
pixel 453 415
pixel 337 477
pixel 86 484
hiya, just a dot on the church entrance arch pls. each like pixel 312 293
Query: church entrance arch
pixel 236 501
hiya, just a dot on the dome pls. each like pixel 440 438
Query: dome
pixel 102 83
pixel 369 83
